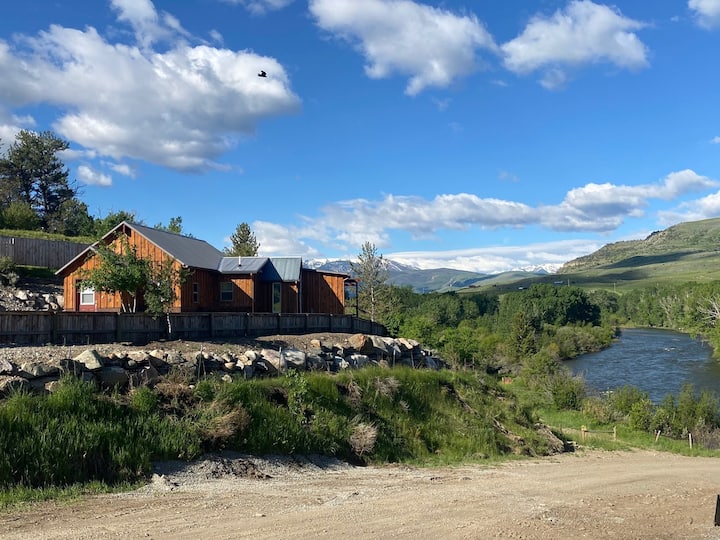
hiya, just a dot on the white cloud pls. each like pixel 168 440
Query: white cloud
pixel 432 46
pixel 90 176
pixel 715 140
pixel 122 168
pixel 583 33
pixel 707 12
pixel 593 207
pixel 494 259
pixel 260 7
pixel 604 207
pixel 276 239
pixel 181 108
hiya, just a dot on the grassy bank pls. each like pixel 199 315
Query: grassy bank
pixel 76 436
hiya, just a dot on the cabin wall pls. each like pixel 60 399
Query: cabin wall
pixel 323 293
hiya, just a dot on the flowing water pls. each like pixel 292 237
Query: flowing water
pixel 656 361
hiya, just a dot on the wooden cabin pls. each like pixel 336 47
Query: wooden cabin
pixel 215 282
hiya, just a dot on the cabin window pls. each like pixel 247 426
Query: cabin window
pixel 196 293
pixel 226 291
pixel 87 296
pixel 277 297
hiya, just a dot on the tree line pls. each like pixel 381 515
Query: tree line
pixel 37 194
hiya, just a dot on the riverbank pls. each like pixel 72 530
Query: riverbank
pixel 589 494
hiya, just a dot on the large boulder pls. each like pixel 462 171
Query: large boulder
pixel 293 358
pixel 274 358
pixel 361 343
pixel 113 376
pixel 90 359
pixel 35 370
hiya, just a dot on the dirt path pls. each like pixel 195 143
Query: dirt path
pixel 594 495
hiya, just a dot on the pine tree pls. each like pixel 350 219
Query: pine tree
pixel 244 243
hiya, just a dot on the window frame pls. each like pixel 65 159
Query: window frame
pixel 227 291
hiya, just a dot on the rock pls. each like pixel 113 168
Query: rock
pixel 361 343
pixel 34 370
pixel 90 359
pixel 6 368
pixel 52 386
pixel 22 295
pixel 226 378
pixel 274 358
pixel 229 366
pixel 293 358
pixel 252 356
pixel 12 383
pixel 157 358
pixel 147 376
pixel 315 362
pixel 113 376
pixel 357 360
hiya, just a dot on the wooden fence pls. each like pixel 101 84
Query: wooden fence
pixel 39 252
pixel 66 328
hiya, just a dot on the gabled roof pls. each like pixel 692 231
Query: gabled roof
pixel 190 252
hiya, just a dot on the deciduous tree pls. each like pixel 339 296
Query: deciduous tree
pixel 119 270
pixel 373 290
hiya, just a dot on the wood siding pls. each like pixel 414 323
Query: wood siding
pixel 316 292
pixel 322 292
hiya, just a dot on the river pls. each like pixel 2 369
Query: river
pixel 656 361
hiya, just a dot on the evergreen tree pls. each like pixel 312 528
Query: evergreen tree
pixel 31 173
pixel 244 243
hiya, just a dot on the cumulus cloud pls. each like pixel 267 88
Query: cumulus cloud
pixel 276 239
pixel 260 7
pixel 583 33
pixel 715 140
pixel 604 207
pixel 181 108
pixel 598 208
pixel 432 46
pixel 707 12
pixel 88 175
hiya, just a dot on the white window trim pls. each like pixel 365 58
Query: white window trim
pixel 86 292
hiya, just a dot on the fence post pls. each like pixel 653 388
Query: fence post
pixel 583 432
pixel 614 433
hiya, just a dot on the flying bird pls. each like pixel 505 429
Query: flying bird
pixel 262 74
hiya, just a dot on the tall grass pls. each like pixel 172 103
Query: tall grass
pixel 75 435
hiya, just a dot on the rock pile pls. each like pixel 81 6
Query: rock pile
pixel 122 368
pixel 14 299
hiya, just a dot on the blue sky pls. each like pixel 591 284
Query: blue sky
pixel 483 136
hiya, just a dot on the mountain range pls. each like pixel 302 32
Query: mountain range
pixel 688 251
pixel 435 279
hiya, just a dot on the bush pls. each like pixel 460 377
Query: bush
pixel 623 399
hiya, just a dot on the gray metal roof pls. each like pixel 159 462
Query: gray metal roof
pixel 282 269
pixel 242 265
pixel 188 251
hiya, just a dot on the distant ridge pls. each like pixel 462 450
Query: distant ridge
pixel 681 239
pixel 430 280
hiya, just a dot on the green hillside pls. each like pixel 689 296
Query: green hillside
pixel 684 252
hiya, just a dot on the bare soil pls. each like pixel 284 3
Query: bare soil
pixel 587 494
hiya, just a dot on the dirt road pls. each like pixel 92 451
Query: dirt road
pixel 584 495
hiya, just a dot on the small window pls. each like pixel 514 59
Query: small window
pixel 196 293
pixel 277 297
pixel 87 297
pixel 226 291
